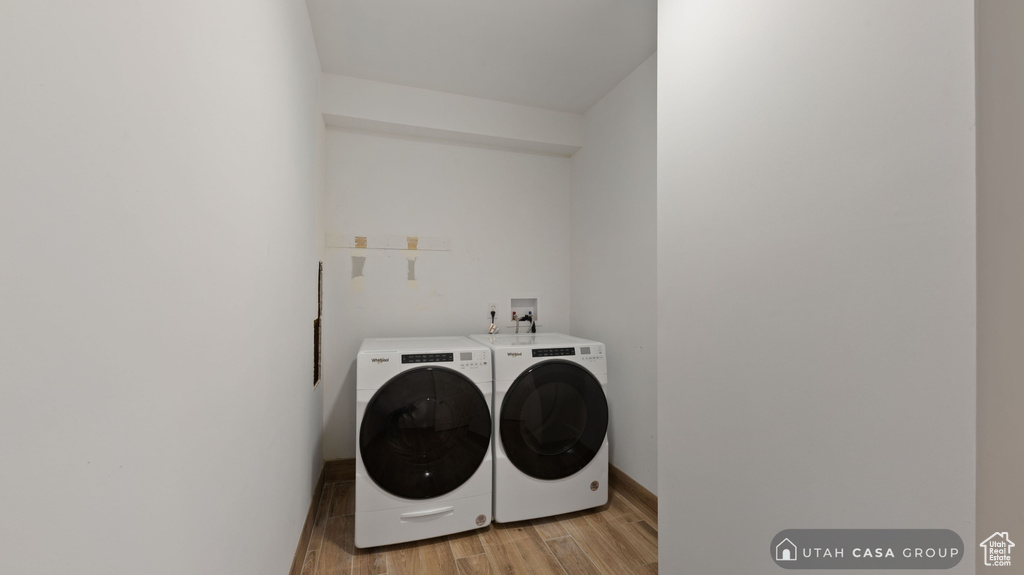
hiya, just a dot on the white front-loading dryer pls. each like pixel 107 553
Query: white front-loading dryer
pixel 550 424
pixel 423 439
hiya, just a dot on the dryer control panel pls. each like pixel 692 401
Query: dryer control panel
pixel 584 352
pixel 591 352
pixel 553 351
pixel 474 359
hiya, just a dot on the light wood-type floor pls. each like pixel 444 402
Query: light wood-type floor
pixel 617 539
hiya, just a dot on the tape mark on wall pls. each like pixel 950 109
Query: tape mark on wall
pixel 405 243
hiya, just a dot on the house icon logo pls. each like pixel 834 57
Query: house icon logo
pixel 997 549
pixel 786 550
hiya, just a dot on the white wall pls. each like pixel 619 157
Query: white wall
pixel 320 239
pixel 505 215
pixel 816 295
pixel 364 104
pixel 157 167
pixel 614 262
pixel 1000 60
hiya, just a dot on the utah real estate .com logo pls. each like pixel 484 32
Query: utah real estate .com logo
pixel 997 549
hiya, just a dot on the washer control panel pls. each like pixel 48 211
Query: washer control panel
pixel 427 357
pixel 374 367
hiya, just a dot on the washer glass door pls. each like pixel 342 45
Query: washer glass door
pixel 553 420
pixel 425 432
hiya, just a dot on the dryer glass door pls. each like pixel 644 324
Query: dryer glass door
pixel 553 420
pixel 425 432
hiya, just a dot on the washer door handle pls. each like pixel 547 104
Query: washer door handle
pixel 427 513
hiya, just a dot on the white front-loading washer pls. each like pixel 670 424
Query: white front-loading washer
pixel 550 424
pixel 423 439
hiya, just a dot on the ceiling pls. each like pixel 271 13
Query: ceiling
pixel 555 54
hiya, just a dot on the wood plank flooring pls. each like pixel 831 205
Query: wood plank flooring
pixel 616 539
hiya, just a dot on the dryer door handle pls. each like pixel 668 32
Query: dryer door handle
pixel 428 512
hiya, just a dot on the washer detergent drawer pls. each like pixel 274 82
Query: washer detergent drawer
pixel 389 526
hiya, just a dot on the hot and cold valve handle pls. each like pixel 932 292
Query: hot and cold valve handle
pixel 528 317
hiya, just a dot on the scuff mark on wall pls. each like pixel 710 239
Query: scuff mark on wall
pixel 357 266
pixel 411 276
pixel 358 283
pixel 432 301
